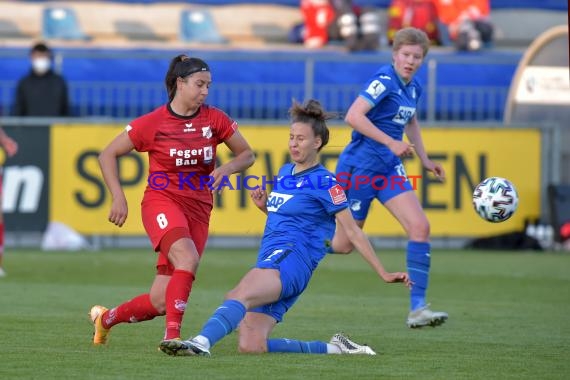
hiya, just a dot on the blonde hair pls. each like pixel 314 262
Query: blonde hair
pixel 411 36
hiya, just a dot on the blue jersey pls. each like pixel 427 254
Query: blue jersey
pixel 301 213
pixel 393 106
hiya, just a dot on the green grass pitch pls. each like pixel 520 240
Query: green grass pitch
pixel 509 318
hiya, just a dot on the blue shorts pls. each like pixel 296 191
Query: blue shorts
pixel 362 186
pixel 295 276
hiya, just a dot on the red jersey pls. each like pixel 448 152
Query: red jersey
pixel 181 150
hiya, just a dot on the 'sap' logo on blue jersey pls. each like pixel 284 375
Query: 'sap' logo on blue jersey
pixel 404 115
pixel 277 200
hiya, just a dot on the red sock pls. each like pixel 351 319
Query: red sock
pixel 138 309
pixel 177 293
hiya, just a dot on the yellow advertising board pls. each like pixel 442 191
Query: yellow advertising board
pixel 78 196
pixel 79 199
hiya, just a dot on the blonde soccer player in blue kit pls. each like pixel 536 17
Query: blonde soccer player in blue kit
pixel 384 110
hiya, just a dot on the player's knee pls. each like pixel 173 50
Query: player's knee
pixel 160 306
pixel 419 229
pixel 341 246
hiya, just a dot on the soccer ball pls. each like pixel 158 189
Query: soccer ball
pixel 495 199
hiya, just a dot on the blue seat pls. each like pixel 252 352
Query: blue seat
pixel 197 25
pixel 61 23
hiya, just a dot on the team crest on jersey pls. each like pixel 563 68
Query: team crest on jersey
pixel 277 200
pixel 404 115
pixel 337 194
pixel 375 89
pixel 207 132
pixel 355 204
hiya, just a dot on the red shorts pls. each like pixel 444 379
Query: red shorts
pixel 161 215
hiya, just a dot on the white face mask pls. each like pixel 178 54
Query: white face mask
pixel 41 65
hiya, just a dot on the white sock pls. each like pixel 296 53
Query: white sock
pixel 202 340
pixel 333 349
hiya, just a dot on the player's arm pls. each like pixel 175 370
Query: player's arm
pixel 243 159
pixel 259 198
pixel 359 239
pixel 356 117
pixel 120 146
pixel 414 134
pixel 9 144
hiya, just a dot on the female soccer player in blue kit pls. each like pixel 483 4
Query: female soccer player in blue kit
pixel 301 212
pixel 384 110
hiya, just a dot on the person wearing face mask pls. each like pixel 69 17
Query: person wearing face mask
pixel 42 92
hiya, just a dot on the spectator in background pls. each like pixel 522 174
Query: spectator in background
pixel 11 148
pixel 42 92
pixel 338 20
pixel 317 16
pixel 358 27
pixel 465 23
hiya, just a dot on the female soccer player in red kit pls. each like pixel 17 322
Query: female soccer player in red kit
pixel 11 148
pixel 180 138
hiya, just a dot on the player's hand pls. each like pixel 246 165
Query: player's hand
pixel 436 169
pixel 397 277
pixel 217 176
pixel 10 146
pixel 119 211
pixel 401 148
pixel 259 197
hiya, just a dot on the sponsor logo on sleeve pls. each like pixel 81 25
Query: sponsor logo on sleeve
pixel 337 194
pixel 375 89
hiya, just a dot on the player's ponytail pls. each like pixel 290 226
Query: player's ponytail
pixel 171 77
pixel 312 113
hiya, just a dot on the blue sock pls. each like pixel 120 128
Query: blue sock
pixel 418 260
pixel 224 320
pixel 296 346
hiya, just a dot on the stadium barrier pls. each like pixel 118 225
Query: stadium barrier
pixel 55 178
pixel 254 85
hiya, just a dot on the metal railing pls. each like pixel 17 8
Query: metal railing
pixel 269 100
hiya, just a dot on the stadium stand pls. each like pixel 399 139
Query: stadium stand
pixel 136 31
pixel 143 33
pixel 148 25
pixel 61 23
pixel 8 29
pixel 198 25
pixel 242 23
